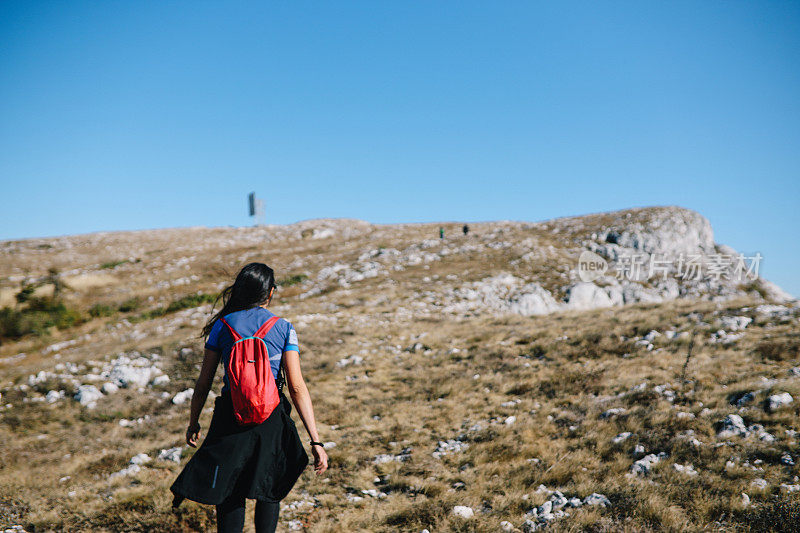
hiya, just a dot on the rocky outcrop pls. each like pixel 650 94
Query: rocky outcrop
pixel 670 230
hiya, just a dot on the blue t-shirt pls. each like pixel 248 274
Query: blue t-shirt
pixel 281 338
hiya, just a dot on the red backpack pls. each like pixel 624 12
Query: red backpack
pixel 254 392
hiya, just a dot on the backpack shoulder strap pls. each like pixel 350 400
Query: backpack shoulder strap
pixel 234 334
pixel 262 332
pixel 264 329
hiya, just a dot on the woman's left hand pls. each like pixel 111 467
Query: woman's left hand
pixel 320 459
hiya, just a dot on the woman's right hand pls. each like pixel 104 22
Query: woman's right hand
pixel 320 459
pixel 192 434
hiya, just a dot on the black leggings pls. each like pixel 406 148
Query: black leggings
pixel 230 515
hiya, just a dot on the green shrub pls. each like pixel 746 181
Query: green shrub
pixel 37 317
pixel 130 305
pixel 293 280
pixel 187 302
pixel 113 264
pixel 151 314
pixel 100 310
pixel 25 294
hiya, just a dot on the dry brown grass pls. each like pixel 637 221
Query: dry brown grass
pixel 399 399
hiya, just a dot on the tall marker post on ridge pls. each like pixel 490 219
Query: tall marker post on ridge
pixel 256 208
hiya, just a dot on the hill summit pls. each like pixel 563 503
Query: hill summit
pixel 649 255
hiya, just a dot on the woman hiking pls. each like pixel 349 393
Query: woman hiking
pixel 243 456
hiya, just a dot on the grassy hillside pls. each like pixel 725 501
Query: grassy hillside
pixel 428 396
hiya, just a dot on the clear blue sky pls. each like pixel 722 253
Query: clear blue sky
pixel 130 115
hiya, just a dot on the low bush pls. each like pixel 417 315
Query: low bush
pixel 37 317
pixel 113 264
pixel 187 302
pixel 779 349
pixel 130 305
pixel 101 310
pixel 292 280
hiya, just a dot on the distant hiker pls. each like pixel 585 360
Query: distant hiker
pixel 441 232
pixel 252 449
pixel 465 229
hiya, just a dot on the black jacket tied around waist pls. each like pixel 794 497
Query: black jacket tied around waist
pixel 262 461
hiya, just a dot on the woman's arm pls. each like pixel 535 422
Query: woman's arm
pixel 302 401
pixel 201 388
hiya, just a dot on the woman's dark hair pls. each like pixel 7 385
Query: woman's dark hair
pixel 250 289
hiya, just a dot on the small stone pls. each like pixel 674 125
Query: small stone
pixel 449 446
pixel 777 401
pixel 685 469
pixel 644 465
pixel 140 459
pixel 742 398
pixel 127 471
pixel 546 508
pixel 558 500
pixel 463 511
pixel 732 425
pixel 597 499
pixel 347 361
pixel 171 454
pixel 182 396
pixel 163 379
pixel 614 411
pixel 53 396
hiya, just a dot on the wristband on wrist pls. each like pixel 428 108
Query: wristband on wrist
pixel 315 443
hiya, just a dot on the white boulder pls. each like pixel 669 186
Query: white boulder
pixel 88 395
pixel 587 295
pixel 731 426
